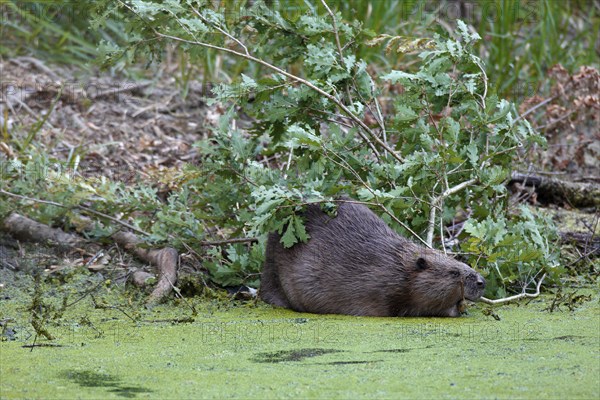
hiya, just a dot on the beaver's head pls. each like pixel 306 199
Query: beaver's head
pixel 440 284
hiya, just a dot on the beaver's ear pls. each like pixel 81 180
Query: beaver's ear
pixel 421 264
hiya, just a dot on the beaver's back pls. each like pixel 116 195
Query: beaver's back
pixel 348 266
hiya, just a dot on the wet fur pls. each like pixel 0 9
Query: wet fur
pixel 355 264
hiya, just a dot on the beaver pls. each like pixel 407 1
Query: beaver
pixel 355 264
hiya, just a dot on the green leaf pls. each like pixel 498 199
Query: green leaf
pixel 303 136
pixel 404 113
pixel 300 230
pixel 400 76
pixel 289 237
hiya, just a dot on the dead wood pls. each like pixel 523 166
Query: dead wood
pixel 556 191
pixel 141 278
pixel 522 295
pixel 165 260
pixel 29 230
pixel 588 242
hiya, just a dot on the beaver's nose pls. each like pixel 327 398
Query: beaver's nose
pixel 480 281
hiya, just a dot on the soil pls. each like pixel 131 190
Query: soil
pixel 125 130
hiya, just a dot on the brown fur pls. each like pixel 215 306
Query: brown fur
pixel 355 264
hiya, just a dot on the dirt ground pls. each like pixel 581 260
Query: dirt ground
pixel 124 129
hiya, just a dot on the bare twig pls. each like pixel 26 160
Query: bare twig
pixel 337 42
pixel 113 92
pixel 555 121
pixel 335 30
pixel 39 64
pixel 485 85
pixel 517 296
pixel 532 109
pixel 206 21
pixel 228 241
pixel 436 203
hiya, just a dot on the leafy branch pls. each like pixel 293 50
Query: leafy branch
pixel 272 67
pixel 439 155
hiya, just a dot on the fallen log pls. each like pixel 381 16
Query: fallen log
pixel 556 191
pixel 29 230
pixel 588 242
pixel 142 279
pixel 165 260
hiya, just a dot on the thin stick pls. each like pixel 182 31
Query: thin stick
pixel 228 241
pixel 337 42
pixel 532 109
pixel 113 92
pixel 485 85
pixel 220 30
pixel 335 30
pixel 436 202
pixel 517 296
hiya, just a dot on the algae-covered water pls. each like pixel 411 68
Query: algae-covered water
pixel 255 351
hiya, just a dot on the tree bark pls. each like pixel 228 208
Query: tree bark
pixel 556 191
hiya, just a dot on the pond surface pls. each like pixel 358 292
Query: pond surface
pixel 249 351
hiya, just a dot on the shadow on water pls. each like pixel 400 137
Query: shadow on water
pixel 353 362
pixel 93 379
pixel 290 355
pixel 392 351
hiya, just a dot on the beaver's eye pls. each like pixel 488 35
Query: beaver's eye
pixel 454 273
pixel 421 264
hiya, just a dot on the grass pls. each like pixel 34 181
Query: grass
pixel 521 39
pixel 57 31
